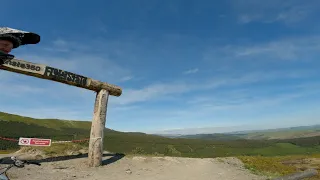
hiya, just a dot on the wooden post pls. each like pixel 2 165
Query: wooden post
pixel 97 129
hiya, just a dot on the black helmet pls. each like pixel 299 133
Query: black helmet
pixel 18 37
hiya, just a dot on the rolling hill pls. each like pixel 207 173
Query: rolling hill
pixel 15 126
pixel 280 133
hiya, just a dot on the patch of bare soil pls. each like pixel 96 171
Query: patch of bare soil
pixel 118 167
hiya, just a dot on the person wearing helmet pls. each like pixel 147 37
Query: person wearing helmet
pixel 14 38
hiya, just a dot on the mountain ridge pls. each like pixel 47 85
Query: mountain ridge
pixel 276 133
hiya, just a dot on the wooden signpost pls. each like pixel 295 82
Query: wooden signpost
pixel 103 90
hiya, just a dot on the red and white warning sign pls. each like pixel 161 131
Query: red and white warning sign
pixel 34 142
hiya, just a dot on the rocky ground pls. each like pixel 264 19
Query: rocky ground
pixel 136 168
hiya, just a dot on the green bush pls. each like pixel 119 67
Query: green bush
pixel 137 150
pixel 170 150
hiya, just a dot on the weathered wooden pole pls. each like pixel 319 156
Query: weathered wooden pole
pixel 97 129
pixel 103 90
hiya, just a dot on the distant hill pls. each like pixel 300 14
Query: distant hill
pixel 56 124
pixel 216 136
pixel 312 127
pixel 211 145
pixel 279 133
pixel 48 123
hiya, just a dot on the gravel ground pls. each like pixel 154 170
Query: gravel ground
pixel 136 168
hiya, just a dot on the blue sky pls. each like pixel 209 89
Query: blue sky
pixel 200 66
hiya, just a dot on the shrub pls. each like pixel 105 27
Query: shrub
pixel 170 150
pixel 137 150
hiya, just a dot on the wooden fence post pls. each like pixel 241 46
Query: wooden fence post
pixel 97 129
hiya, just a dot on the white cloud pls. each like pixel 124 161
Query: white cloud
pixel 287 11
pixel 126 78
pixel 60 43
pixel 293 15
pixel 172 89
pixel 94 66
pixel 282 49
pixel 150 92
pixel 248 102
pixel 19 90
pixel 191 71
pixel 245 18
pixel 85 46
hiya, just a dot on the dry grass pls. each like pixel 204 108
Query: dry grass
pixel 281 165
pixel 55 150
pixel 64 149
pixel 6 152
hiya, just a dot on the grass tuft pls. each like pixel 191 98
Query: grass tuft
pixel 281 165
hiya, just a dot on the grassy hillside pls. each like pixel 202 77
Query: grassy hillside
pixel 17 126
pixel 48 123
pixel 281 165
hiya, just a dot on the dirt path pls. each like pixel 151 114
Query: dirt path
pixel 136 168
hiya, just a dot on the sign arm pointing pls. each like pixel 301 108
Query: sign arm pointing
pixel 58 75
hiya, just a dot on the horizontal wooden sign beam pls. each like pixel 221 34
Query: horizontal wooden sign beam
pixel 58 75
